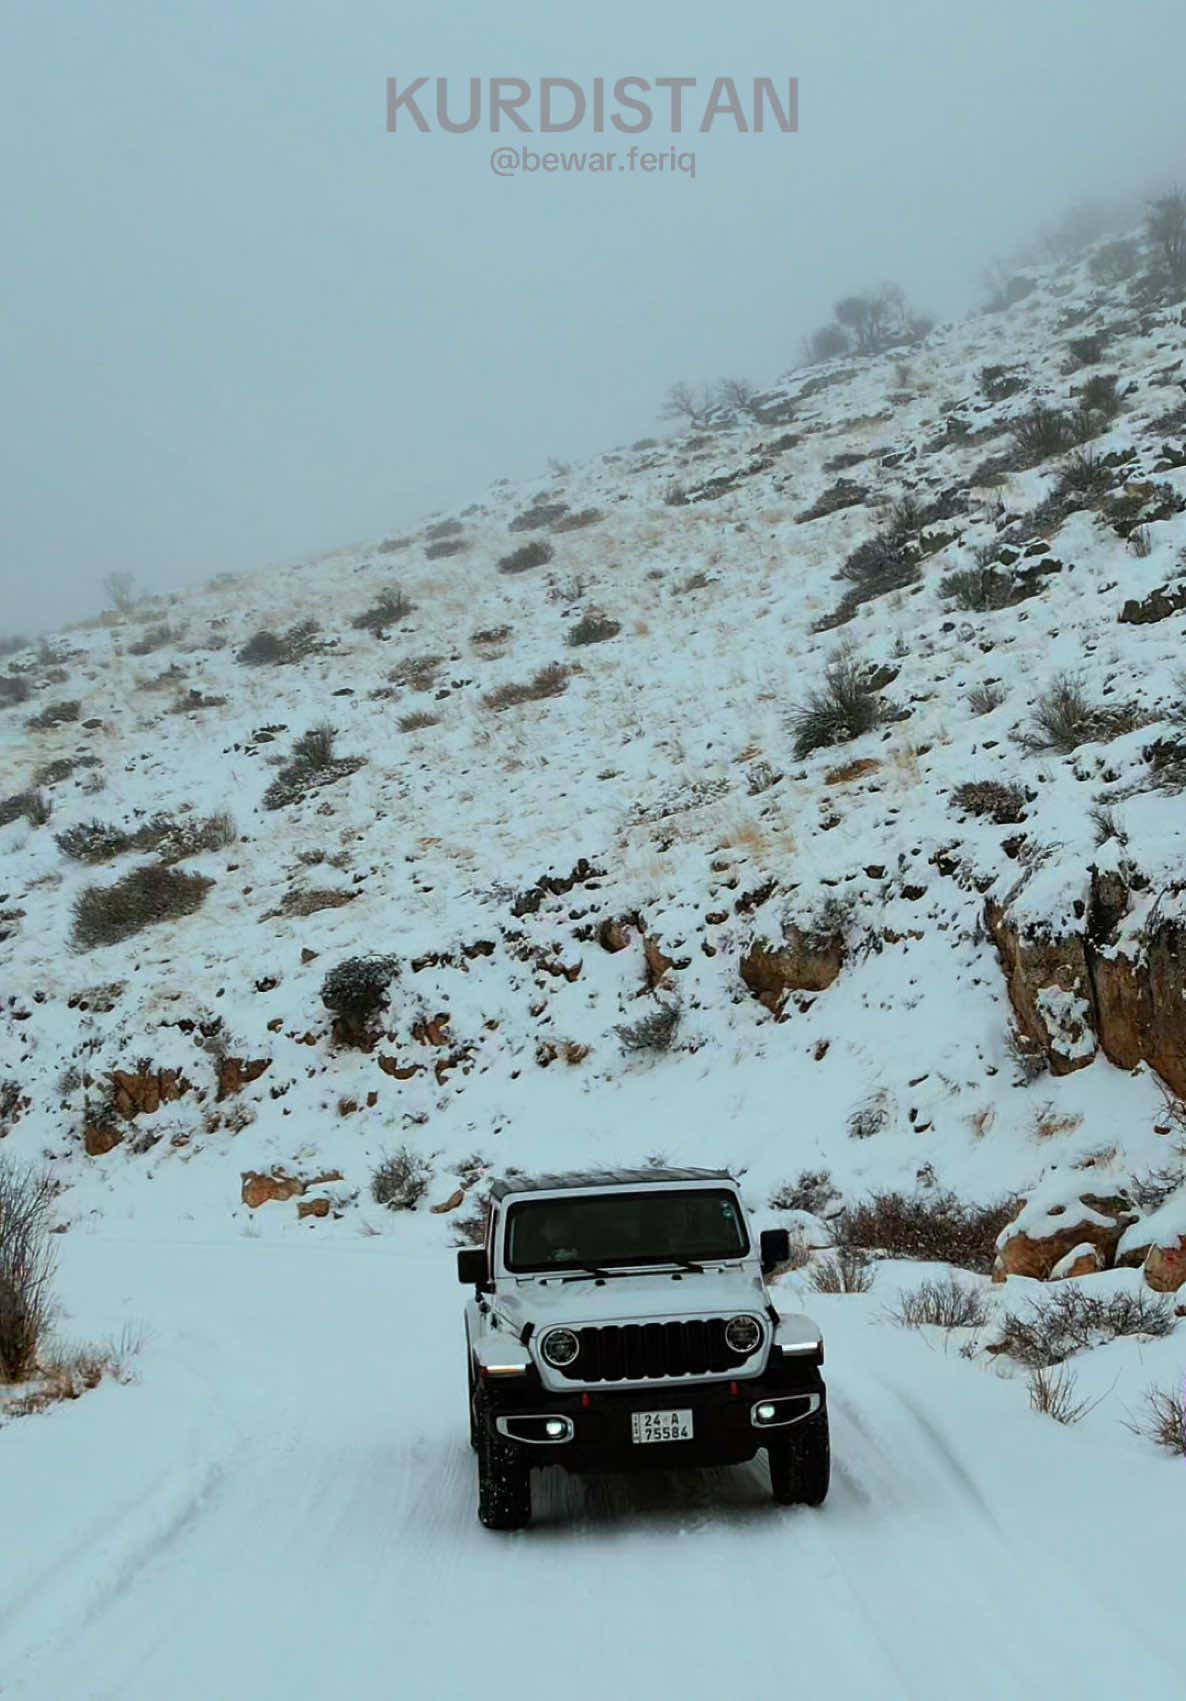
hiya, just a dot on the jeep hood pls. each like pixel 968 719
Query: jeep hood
pixel 625 1298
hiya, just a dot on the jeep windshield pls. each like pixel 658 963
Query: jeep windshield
pixel 655 1226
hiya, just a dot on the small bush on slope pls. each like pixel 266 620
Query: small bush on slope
pixel 1072 1320
pixel 1163 1420
pixel 356 992
pixel 937 1228
pixel 388 609
pixel 105 915
pixel 843 708
pixel 1064 718
pixel 401 1180
pixel 26 1267
pixel 943 1305
pixel 271 649
pixel 849 1270
pixel 655 1032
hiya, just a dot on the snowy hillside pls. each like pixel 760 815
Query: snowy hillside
pixel 801 794
pixel 657 765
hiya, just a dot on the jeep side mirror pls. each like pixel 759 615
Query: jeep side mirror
pixel 473 1269
pixel 776 1249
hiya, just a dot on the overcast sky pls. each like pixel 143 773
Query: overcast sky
pixel 243 322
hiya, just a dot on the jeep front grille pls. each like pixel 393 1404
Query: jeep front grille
pixel 643 1351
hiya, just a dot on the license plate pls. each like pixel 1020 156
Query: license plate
pixel 661 1426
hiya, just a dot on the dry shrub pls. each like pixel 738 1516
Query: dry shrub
pixel 1072 1320
pixel 173 838
pixel 847 1270
pixel 592 628
pixel 418 721
pixel 653 1033
pixel 1163 1420
pixel 272 649
pixel 145 897
pixel 944 1305
pixel 933 1228
pixel 26 1266
pixel 1004 804
pixel 388 609
pixel 1064 718
pixel 537 553
pixel 356 991
pixel 550 681
pixel 812 1192
pixel 1052 1392
pixel 983 699
pixel 576 522
pixel 55 714
pixel 401 1180
pixel 843 708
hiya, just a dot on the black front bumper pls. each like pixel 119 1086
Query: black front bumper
pixel 723 1430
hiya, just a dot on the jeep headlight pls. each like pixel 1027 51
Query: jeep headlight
pixel 559 1347
pixel 743 1335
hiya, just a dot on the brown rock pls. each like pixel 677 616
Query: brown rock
pixel 1082 1260
pixel 657 962
pixel 98 1139
pixel 234 1073
pixel 1039 1255
pixel 803 963
pixel 434 1032
pixel 313 1207
pixel 1158 605
pixel 613 935
pixel 1040 965
pixel 261 1189
pixel 451 1203
pixel 1165 1267
pixel 389 1066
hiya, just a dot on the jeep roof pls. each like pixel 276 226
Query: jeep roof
pixel 508 1185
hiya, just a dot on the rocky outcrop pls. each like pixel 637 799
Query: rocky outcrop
pixel 99 1138
pixel 1158 605
pixel 144 1091
pixel 260 1189
pixel 803 962
pixel 1082 1260
pixel 1112 986
pixel 1165 1266
pixel 234 1073
pixel 1063 1230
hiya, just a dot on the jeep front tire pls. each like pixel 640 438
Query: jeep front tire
pixel 800 1463
pixel 504 1478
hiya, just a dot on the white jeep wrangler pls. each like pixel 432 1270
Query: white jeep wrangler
pixel 623 1320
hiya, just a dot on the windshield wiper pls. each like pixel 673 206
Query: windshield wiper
pixel 585 1270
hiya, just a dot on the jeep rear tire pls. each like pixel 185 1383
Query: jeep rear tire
pixel 504 1478
pixel 800 1463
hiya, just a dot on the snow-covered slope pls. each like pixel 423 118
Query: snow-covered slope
pixel 662 771
pixel 282 1503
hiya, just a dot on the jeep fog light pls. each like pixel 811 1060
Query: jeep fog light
pixel 555 1428
pixel 743 1335
pixel 560 1347
pixel 765 1412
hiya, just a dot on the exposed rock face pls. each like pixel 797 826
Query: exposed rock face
pixel 263 1189
pixel 1158 605
pixel 98 1139
pixel 144 1091
pixel 1057 1237
pixel 1049 988
pixel 260 1189
pixel 1112 987
pixel 313 1207
pixel 1165 1267
pixel 804 962
pixel 1082 1260
pixel 234 1073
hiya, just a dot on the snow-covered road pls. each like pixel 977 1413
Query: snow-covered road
pixel 284 1506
